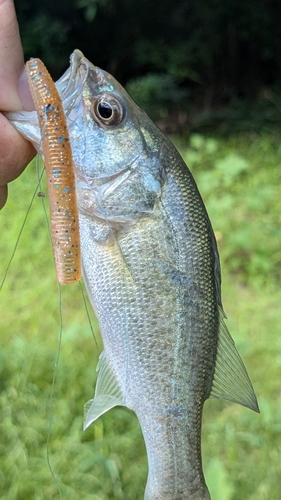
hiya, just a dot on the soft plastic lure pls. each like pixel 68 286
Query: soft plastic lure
pixel 59 170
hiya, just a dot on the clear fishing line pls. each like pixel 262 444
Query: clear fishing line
pixel 39 175
pixel 55 371
pixel 60 318
pixel 125 267
pixel 83 293
pixel 82 290
pixel 52 394
pixel 39 187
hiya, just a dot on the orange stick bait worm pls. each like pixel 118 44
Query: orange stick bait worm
pixel 59 170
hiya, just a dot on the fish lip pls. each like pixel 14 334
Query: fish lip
pixel 71 83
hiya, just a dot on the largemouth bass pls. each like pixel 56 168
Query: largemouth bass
pixel 152 272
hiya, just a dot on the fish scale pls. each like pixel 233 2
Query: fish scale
pixel 152 272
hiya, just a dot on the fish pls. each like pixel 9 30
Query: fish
pixel 151 267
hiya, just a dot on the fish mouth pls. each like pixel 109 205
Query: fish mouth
pixel 70 87
pixel 71 83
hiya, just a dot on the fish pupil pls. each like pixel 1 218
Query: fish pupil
pixel 105 110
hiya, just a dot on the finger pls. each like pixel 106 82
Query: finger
pixel 11 58
pixel 16 155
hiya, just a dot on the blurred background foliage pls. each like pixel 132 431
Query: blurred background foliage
pixel 211 55
pixel 208 72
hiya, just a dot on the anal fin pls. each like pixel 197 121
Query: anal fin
pixel 107 395
pixel 231 381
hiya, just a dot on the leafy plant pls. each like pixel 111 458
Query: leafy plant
pixel 239 179
pixel 158 94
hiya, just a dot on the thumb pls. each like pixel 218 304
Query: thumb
pixel 11 61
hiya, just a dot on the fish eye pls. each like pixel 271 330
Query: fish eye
pixel 107 110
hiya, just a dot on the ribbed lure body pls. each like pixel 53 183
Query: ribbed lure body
pixel 59 170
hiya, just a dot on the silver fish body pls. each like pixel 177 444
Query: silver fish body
pixel 151 268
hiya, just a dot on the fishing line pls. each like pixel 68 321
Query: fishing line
pixel 38 187
pixel 88 316
pixel 83 154
pixel 125 266
pixel 52 395
pixel 23 225
pixel 43 201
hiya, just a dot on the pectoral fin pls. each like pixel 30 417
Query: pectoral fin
pixel 231 380
pixel 108 393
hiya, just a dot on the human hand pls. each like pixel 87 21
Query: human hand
pixel 15 151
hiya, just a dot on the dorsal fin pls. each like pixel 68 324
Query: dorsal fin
pixel 231 381
pixel 107 395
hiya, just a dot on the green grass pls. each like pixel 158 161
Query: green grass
pixel 239 179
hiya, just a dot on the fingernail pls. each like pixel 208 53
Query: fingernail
pixel 24 93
